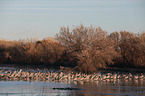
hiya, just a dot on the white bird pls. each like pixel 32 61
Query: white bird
pixel 13 74
pixel 136 77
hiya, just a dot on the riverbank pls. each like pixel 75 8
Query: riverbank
pixel 107 69
pixel 127 70
pixel 87 48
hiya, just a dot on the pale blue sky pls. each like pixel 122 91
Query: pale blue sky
pixel 22 19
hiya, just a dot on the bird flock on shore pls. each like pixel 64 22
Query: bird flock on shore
pixel 31 75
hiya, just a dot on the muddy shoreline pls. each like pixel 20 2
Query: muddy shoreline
pixel 19 66
pixel 126 70
pixel 108 69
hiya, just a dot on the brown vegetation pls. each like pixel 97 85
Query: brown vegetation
pixel 132 49
pixel 90 47
pixel 83 48
pixel 45 52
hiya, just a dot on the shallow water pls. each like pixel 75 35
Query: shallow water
pixel 108 87
pixel 97 88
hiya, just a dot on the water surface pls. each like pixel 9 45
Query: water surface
pixel 108 87
pixel 97 88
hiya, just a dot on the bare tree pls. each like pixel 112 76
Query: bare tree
pixel 90 45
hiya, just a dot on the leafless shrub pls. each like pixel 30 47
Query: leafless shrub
pixel 44 52
pixel 91 46
pixel 84 48
pixel 131 47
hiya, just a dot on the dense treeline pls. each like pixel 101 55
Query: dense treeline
pixel 31 52
pixel 83 48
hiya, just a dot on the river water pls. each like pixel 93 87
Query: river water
pixel 110 87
